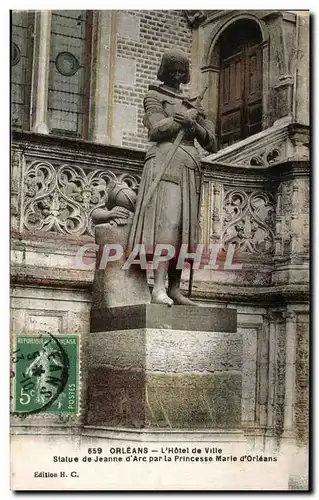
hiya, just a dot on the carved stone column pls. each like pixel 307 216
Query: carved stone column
pixel 301 103
pixel 210 214
pixel 216 210
pixel 205 213
pixel 15 194
pixel 296 229
pixel 263 347
pixel 300 217
pixel 270 320
pixel 211 75
pixel 101 76
pixel 40 77
pixel 283 219
pixel 302 379
pixel 284 90
pixel 290 374
pixel 265 73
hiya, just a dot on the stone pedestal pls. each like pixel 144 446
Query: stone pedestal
pixel 112 285
pixel 156 367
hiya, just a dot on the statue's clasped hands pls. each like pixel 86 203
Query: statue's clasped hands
pixel 119 215
pixel 187 119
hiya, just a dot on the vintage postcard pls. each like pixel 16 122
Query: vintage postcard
pixel 159 250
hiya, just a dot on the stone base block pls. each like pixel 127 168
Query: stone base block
pixel 112 285
pixel 192 318
pixel 160 400
pixel 164 377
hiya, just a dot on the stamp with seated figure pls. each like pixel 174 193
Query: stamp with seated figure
pixel 45 374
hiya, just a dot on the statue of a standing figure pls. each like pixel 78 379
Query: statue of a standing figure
pixel 171 215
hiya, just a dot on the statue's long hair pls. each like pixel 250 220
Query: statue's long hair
pixel 169 59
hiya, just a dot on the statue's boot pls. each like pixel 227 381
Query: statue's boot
pixel 174 292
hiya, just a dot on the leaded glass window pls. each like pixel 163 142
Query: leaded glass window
pixel 21 67
pixel 70 55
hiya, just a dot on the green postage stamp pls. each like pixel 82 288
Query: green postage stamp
pixel 46 373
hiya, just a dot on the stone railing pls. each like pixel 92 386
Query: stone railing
pixel 56 184
pixel 261 208
pixel 264 203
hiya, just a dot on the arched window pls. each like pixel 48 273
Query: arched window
pixel 240 91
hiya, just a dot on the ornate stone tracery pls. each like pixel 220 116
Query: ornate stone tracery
pixel 62 199
pixel 302 379
pixel 248 221
pixel 266 148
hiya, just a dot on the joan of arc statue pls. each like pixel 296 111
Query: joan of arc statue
pixel 171 216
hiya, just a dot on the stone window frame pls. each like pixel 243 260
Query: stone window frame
pixel 40 73
pixel 103 56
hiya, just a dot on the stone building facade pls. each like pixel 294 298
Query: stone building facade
pixel 79 78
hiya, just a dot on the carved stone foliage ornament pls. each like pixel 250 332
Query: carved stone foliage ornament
pixel 280 380
pixel 283 218
pixel 302 382
pixel 195 17
pixel 248 221
pixel 15 188
pixel 62 199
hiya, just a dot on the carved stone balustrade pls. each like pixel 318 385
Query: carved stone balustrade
pixel 255 195
pixel 62 181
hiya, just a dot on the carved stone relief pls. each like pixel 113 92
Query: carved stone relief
pixel 195 17
pixel 267 156
pixel 302 379
pixel 268 147
pixel 248 221
pixel 283 218
pixel 292 217
pixel 300 216
pixel 62 199
pixel 211 211
pixel 15 190
pixel 280 378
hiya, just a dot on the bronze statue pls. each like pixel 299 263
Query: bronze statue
pixel 167 203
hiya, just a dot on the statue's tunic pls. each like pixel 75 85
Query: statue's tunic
pixel 172 214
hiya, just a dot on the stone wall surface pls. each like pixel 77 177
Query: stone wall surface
pixel 142 36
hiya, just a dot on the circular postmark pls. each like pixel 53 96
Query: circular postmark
pixel 41 373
